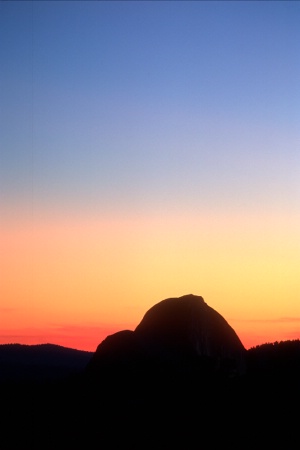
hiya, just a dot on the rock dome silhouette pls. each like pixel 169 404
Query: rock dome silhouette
pixel 181 332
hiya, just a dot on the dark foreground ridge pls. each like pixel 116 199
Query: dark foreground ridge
pixel 181 380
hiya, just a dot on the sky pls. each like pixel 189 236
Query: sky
pixel 148 150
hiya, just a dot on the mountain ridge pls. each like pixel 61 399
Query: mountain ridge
pixel 41 362
pixel 181 332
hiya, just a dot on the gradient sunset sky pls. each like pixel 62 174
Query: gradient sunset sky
pixel 148 150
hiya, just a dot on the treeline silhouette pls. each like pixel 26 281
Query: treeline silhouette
pixel 162 408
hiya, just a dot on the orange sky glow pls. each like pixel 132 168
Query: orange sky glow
pixel 74 281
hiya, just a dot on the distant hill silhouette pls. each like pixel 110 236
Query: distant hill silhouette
pixel 40 362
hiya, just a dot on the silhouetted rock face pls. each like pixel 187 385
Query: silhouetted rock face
pixel 182 333
pixel 188 326
pixel 119 348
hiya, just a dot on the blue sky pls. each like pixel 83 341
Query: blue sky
pixel 134 103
